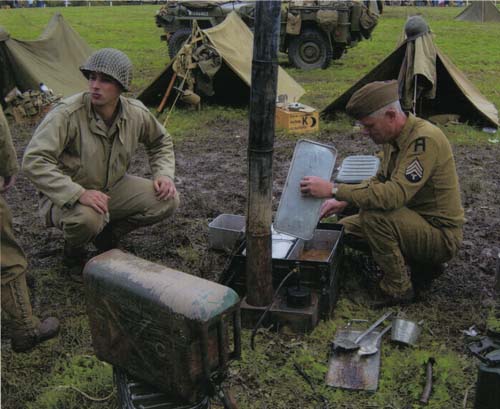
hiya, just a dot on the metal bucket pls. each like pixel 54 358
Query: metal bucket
pixel 405 331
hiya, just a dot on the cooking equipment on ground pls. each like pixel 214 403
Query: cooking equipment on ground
pixel 405 332
pixel 348 344
pixel 369 348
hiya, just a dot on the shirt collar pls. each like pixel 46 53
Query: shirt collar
pixel 400 141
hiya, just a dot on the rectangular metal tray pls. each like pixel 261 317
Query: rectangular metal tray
pixel 298 215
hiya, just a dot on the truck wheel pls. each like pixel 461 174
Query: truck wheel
pixel 176 41
pixel 310 50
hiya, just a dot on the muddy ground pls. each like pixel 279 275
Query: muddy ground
pixel 211 178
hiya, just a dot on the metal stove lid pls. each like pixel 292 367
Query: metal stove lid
pixel 356 168
pixel 298 215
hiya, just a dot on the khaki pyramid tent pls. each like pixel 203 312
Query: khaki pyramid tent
pixel 480 11
pixel 219 68
pixel 53 59
pixel 430 85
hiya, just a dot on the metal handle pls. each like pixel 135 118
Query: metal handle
pixel 373 326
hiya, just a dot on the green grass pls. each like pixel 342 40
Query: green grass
pixel 473 47
pixel 36 377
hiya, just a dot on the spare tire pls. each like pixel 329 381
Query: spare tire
pixel 309 50
pixel 177 40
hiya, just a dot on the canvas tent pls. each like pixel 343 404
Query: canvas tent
pixel 53 59
pixel 233 41
pixel 441 88
pixel 480 11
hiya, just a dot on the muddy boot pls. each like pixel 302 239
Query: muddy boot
pixel 422 275
pixel 74 259
pixel 381 299
pixel 47 329
pixel 105 240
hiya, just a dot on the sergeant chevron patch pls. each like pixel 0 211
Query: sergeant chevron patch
pixel 414 171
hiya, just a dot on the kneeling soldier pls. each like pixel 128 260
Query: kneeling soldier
pixel 79 156
pixel 410 212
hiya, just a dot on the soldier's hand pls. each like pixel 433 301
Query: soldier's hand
pixel 316 186
pixel 7 182
pixel 332 206
pixel 164 187
pixel 96 200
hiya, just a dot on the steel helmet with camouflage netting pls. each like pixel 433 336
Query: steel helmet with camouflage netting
pixel 111 62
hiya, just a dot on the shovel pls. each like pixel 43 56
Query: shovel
pixel 371 348
pixel 346 344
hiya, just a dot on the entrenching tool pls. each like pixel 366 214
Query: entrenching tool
pixel 370 347
pixel 343 343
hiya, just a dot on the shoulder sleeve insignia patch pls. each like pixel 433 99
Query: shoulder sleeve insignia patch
pixel 414 172
pixel 419 145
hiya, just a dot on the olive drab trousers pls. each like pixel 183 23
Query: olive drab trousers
pixel 16 306
pixel 400 237
pixel 132 204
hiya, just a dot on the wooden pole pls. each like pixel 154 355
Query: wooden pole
pixel 260 152
pixel 167 93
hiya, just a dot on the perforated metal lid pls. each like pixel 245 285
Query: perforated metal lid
pixel 356 168
pixel 298 215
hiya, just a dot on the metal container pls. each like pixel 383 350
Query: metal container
pixel 298 215
pixel 225 231
pixel 487 388
pixel 318 269
pixel 165 327
pixel 405 331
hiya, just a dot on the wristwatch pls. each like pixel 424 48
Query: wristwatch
pixel 334 191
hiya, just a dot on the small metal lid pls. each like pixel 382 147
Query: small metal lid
pixel 356 168
pixel 298 215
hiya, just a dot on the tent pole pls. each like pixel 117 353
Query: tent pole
pixel 260 152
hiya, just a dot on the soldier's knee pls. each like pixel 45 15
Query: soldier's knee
pixel 372 217
pixel 85 222
pixel 161 209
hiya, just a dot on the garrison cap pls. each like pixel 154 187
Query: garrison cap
pixel 372 97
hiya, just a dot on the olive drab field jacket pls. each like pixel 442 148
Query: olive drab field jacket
pixel 417 171
pixel 72 149
pixel 8 161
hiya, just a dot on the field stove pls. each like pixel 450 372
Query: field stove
pixel 308 295
pixel 172 331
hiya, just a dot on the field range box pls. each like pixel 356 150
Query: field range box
pixel 298 118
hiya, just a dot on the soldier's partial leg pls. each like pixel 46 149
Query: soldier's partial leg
pixel 80 225
pixel 25 329
pixel 400 235
pixel 133 204
pixel 353 233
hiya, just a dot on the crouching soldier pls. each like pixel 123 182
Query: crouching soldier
pixel 79 156
pixel 24 329
pixel 410 212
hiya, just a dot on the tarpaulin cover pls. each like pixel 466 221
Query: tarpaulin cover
pixel 480 11
pixel 442 88
pixel 234 41
pixel 53 59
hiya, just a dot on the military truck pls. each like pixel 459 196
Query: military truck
pixel 312 32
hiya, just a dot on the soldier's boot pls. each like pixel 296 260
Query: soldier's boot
pixel 422 275
pixel 25 329
pixel 74 259
pixel 381 299
pixel 47 329
pixel 395 288
pixel 106 239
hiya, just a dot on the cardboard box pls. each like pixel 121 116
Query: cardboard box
pixel 302 120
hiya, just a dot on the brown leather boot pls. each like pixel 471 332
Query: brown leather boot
pixel 381 299
pixel 47 329
pixel 74 259
pixel 106 240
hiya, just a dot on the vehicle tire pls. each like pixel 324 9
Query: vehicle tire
pixel 176 41
pixel 310 50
